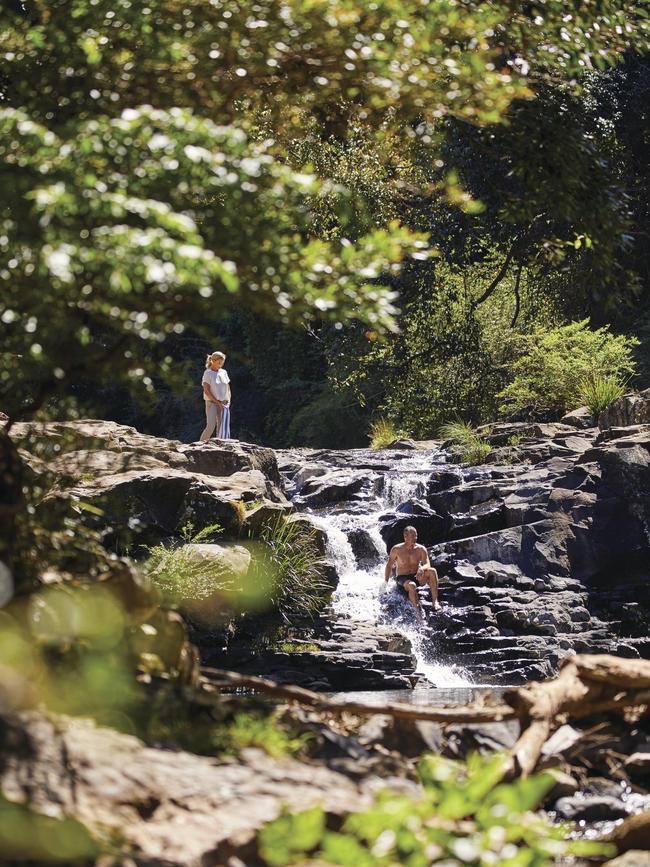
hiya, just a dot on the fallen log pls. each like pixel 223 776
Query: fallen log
pixel 586 686
pixel 613 670
pixel 221 679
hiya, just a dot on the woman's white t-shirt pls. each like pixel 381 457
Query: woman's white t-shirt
pixel 218 381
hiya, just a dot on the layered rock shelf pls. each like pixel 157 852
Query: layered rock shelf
pixel 542 553
pixel 540 557
pixel 342 655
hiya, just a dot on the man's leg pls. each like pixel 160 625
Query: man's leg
pixel 211 419
pixel 430 576
pixel 414 599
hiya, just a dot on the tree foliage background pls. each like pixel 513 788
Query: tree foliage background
pixel 345 197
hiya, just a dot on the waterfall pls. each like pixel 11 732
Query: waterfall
pixel 362 593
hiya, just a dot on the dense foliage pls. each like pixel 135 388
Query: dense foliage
pixel 557 366
pixel 158 162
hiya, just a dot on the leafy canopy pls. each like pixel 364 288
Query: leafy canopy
pixel 152 169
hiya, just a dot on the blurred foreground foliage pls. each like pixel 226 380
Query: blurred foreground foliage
pixel 28 836
pixel 466 815
pixel 284 580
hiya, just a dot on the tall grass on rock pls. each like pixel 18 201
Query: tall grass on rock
pixel 288 563
pixel 382 433
pixel 598 392
pixel 467 446
pixel 181 576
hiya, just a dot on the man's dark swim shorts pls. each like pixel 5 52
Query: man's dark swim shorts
pixel 402 579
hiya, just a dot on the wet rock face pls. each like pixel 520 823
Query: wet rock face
pixel 565 577
pixel 537 559
pixel 342 655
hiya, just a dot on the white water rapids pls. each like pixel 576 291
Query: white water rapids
pixel 362 594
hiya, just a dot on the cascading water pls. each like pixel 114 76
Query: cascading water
pixel 362 593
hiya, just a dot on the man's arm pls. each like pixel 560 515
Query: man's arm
pixel 392 559
pixel 424 556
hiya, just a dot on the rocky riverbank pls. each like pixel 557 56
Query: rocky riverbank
pixel 539 557
pixel 543 552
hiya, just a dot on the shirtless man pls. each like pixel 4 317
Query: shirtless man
pixel 413 568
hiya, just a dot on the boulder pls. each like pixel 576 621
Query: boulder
pixel 169 806
pixel 633 858
pixel 431 528
pixel 501 433
pixel 581 418
pixel 364 546
pixel 334 487
pixel 145 488
pixel 442 480
pixel 631 409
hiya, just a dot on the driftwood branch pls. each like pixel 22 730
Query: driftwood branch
pixel 586 686
pixel 216 678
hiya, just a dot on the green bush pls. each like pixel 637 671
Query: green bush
pixel 466 815
pixel 598 392
pixel 555 363
pixel 383 433
pixel 467 446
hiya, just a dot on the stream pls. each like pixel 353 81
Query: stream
pixel 362 594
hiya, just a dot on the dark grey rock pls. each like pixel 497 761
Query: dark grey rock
pixel 431 528
pixel 600 808
pixel 363 545
pixel 631 409
pixel 579 418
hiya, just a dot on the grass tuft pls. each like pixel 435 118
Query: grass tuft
pixel 289 561
pixel 383 433
pixel 467 446
pixel 178 573
pixel 598 392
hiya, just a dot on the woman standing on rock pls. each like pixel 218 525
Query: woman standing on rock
pixel 217 396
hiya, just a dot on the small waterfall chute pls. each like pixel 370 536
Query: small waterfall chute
pixel 362 594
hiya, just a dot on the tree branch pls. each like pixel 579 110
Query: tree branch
pixel 221 679
pixel 517 297
pixel 503 270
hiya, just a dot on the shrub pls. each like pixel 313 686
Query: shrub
pixel 288 563
pixel 181 575
pixel 383 433
pixel 467 446
pixel 598 392
pixel 466 815
pixel 556 362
